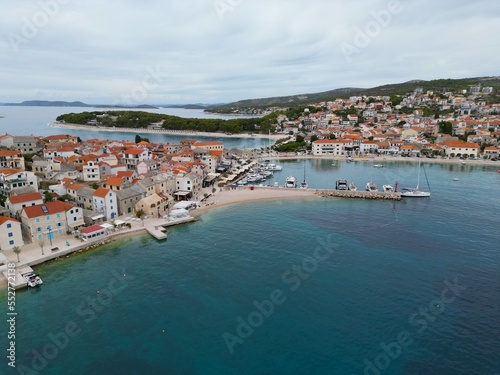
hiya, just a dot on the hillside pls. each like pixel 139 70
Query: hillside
pixel 440 85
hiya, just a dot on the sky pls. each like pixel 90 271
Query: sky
pixel 218 51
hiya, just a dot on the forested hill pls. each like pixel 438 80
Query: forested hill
pixel 439 85
pixel 141 120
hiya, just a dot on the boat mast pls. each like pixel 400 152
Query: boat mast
pixel 418 174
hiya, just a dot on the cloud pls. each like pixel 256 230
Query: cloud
pixel 99 51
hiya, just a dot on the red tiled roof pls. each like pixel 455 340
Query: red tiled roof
pixel 4 219
pixel 25 198
pixel 92 229
pixel 114 181
pixel 51 208
pixel 101 192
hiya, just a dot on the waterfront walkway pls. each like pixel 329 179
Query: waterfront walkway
pixel 32 254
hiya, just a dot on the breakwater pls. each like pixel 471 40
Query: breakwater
pixel 358 194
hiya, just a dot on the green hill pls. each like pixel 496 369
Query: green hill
pixel 439 85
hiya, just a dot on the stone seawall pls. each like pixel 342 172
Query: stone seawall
pixel 359 194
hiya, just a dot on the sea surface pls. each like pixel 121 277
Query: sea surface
pixel 300 286
pixel 19 120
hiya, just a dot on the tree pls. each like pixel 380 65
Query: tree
pixel 314 137
pixel 445 127
pixel 48 196
pixel 139 214
pixel 17 251
pixel 41 242
pixel 137 138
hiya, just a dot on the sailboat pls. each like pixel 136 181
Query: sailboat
pixel 303 184
pixel 416 192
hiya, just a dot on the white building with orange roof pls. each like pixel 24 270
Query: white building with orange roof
pixel 12 179
pixel 133 156
pixel 72 189
pixel 491 152
pixel 411 150
pixel 115 183
pixel 204 148
pixel 10 233
pixel 16 203
pixel 105 203
pixel 91 171
pixel 11 159
pixel 61 138
pixel 460 148
pixel 368 147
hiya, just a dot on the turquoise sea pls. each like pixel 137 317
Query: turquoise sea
pixel 34 120
pixel 305 286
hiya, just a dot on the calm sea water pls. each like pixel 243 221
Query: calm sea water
pixel 34 120
pixel 306 286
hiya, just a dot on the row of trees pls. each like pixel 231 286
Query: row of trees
pixel 139 119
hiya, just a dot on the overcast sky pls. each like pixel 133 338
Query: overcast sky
pixel 209 51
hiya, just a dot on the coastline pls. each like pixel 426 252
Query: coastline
pixel 190 133
pixel 31 254
pixel 388 159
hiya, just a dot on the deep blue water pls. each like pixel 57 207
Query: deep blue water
pixel 34 120
pixel 371 273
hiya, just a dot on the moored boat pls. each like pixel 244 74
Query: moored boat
pixel 341 184
pixel 291 182
pixel 371 186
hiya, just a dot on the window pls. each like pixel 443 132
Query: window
pixel 71 212
pixel 39 229
pixel 58 216
pixel 47 218
pixel 59 224
pixel 40 236
pixel 74 219
pixel 11 242
pixel 9 225
pixel 11 234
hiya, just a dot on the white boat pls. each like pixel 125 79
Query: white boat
pixel 291 182
pixel 371 186
pixel 387 189
pixel 274 167
pixel 341 184
pixel 378 165
pixel 33 279
pixel 352 186
pixel 416 192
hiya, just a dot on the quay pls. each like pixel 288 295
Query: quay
pixel 66 246
pixel 358 194
pixel 19 280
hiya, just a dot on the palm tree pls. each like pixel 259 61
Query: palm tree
pixel 17 250
pixel 41 242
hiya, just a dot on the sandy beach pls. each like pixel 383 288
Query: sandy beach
pixel 32 255
pixel 246 194
pixel 187 133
